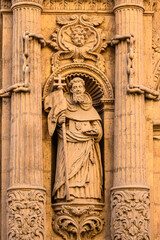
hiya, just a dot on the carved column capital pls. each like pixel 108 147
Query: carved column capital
pixel 19 3
pixel 129 4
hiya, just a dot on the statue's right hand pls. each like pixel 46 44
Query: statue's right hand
pixel 62 118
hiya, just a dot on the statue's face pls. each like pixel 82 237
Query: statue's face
pixel 78 88
pixel 78 92
pixel 78 37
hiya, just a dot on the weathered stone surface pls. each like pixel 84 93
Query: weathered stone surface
pixel 114 47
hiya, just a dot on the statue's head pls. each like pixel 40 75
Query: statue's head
pixel 77 88
pixel 79 35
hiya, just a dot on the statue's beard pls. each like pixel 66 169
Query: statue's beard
pixel 78 98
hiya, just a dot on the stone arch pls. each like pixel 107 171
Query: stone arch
pixel 97 83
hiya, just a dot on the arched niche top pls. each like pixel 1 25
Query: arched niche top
pixel 96 82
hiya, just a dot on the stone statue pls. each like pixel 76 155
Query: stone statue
pixel 78 167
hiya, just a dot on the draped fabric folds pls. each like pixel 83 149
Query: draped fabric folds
pixel 84 165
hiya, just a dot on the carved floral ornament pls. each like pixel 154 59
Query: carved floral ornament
pixel 130 215
pixel 78 222
pixel 78 39
pixel 26 215
pixel 78 4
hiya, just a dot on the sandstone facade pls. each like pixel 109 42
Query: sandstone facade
pixel 80 167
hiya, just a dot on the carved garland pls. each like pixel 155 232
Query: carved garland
pixel 130 215
pixel 26 215
pixel 77 223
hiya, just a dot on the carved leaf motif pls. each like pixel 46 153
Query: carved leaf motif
pixel 26 215
pixel 91 226
pixel 130 215
pixel 75 223
pixel 92 20
pixel 64 20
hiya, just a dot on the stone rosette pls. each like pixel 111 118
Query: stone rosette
pixel 26 214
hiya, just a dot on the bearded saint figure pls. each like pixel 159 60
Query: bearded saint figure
pixel 83 133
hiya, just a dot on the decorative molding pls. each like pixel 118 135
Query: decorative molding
pixel 33 3
pixel 77 222
pixel 78 4
pixel 128 5
pixel 130 215
pixel 78 40
pixel 26 214
pixel 29 1
pixel 5 4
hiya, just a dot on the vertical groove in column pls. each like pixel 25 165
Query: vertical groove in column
pixel 26 156
pixel 129 185
pixel 129 109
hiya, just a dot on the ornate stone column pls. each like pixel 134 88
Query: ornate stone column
pixel 130 194
pixel 26 195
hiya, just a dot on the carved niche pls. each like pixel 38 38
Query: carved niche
pixel 78 185
pixel 130 215
pixel 26 215
pixel 78 40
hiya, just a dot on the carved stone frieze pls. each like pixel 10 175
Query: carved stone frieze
pixel 26 214
pixel 78 40
pixel 78 4
pixel 130 215
pixel 77 222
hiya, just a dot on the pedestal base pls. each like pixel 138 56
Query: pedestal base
pixel 77 220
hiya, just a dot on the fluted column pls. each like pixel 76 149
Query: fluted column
pixel 130 194
pixel 26 195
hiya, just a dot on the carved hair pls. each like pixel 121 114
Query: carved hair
pixel 79 29
pixel 75 80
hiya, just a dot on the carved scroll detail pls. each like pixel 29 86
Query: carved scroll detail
pixel 77 223
pixel 26 215
pixel 130 215
pixel 78 40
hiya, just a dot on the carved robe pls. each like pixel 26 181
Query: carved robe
pixel 83 152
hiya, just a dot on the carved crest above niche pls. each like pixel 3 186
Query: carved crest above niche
pixel 78 40
pixel 78 4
